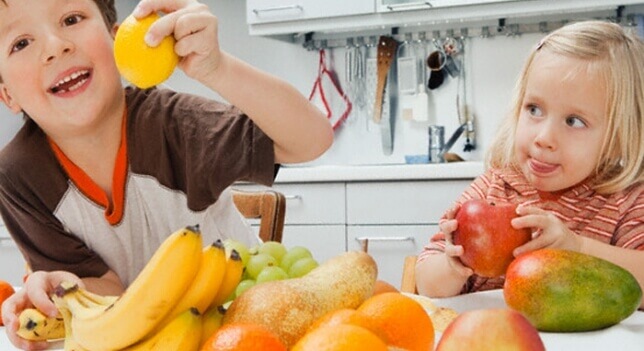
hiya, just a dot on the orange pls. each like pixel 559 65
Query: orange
pixel 243 337
pixel 6 290
pixel 403 322
pixel 143 65
pixel 340 337
pixel 345 316
pixel 382 287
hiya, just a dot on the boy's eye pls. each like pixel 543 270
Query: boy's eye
pixel 575 122
pixel 19 45
pixel 72 20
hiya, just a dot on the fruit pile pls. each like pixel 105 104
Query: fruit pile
pixel 270 261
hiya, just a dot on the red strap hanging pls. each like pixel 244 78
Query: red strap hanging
pixel 318 88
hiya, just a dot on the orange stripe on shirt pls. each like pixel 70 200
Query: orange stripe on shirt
pixel 113 209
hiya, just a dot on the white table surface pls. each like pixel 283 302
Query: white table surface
pixel 628 335
pixel 625 336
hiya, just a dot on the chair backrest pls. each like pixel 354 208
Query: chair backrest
pixel 267 205
pixel 408 284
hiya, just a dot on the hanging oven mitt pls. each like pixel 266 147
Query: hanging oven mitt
pixel 326 82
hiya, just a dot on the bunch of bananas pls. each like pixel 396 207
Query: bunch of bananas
pixel 173 304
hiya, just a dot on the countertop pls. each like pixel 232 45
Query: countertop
pixel 440 171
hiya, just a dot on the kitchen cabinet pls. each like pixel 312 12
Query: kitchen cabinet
pixel 289 20
pixel 315 216
pixel 408 5
pixel 268 11
pixel 394 218
pixel 12 264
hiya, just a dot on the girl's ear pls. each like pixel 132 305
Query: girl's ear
pixel 6 98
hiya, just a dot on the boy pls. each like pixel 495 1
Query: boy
pixel 100 175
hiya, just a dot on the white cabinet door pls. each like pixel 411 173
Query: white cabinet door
pixel 406 5
pixel 389 245
pixel 409 202
pixel 267 11
pixel 12 264
pixel 324 241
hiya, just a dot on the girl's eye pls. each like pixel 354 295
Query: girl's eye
pixel 534 110
pixel 19 45
pixel 575 122
pixel 72 20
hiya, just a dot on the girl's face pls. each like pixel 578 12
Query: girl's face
pixel 57 65
pixel 562 122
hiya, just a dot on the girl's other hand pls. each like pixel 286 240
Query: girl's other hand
pixel 548 231
pixel 453 252
pixel 35 293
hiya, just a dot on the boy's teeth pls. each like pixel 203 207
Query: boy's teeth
pixel 70 77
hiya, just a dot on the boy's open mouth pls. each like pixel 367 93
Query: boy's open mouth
pixel 71 82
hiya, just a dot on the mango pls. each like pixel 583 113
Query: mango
pixel 566 291
pixel 289 307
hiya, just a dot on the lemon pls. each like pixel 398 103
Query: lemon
pixel 139 63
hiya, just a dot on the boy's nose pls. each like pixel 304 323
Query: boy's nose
pixel 55 47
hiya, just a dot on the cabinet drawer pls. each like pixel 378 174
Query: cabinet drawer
pixel 12 264
pixel 317 203
pixel 415 202
pixel 324 241
pixel 264 11
pixel 389 245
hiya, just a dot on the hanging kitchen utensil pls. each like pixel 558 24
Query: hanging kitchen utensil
pixel 318 94
pixel 386 53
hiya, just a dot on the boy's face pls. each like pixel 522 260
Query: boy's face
pixel 562 122
pixel 56 63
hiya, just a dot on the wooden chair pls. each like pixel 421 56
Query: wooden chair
pixel 267 205
pixel 408 283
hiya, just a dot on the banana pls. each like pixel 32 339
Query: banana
pixel 205 285
pixel 35 326
pixel 70 343
pixel 234 271
pixel 146 301
pixel 211 322
pixel 181 334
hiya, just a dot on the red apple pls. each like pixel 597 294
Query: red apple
pixel 490 329
pixel 487 237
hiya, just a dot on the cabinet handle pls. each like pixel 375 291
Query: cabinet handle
pixel 258 12
pixel 364 240
pixel 293 197
pixel 409 6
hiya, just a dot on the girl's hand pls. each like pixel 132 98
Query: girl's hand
pixel 549 231
pixel 35 293
pixel 453 252
pixel 195 29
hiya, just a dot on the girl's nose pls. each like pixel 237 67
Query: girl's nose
pixel 546 136
pixel 56 46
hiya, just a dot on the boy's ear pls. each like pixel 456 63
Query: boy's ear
pixel 6 98
pixel 115 28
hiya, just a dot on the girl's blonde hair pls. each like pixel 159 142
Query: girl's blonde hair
pixel 618 57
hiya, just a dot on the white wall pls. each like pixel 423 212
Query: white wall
pixel 492 65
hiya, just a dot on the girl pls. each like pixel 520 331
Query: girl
pixel 570 153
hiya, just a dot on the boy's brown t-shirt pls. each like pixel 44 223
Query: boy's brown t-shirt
pixel 178 156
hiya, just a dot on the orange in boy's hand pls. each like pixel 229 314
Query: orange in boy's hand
pixel 243 337
pixel 143 65
pixel 6 290
pixel 340 337
pixel 402 321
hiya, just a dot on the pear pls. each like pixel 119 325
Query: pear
pixel 289 307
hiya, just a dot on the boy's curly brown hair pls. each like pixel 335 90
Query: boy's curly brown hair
pixel 107 8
